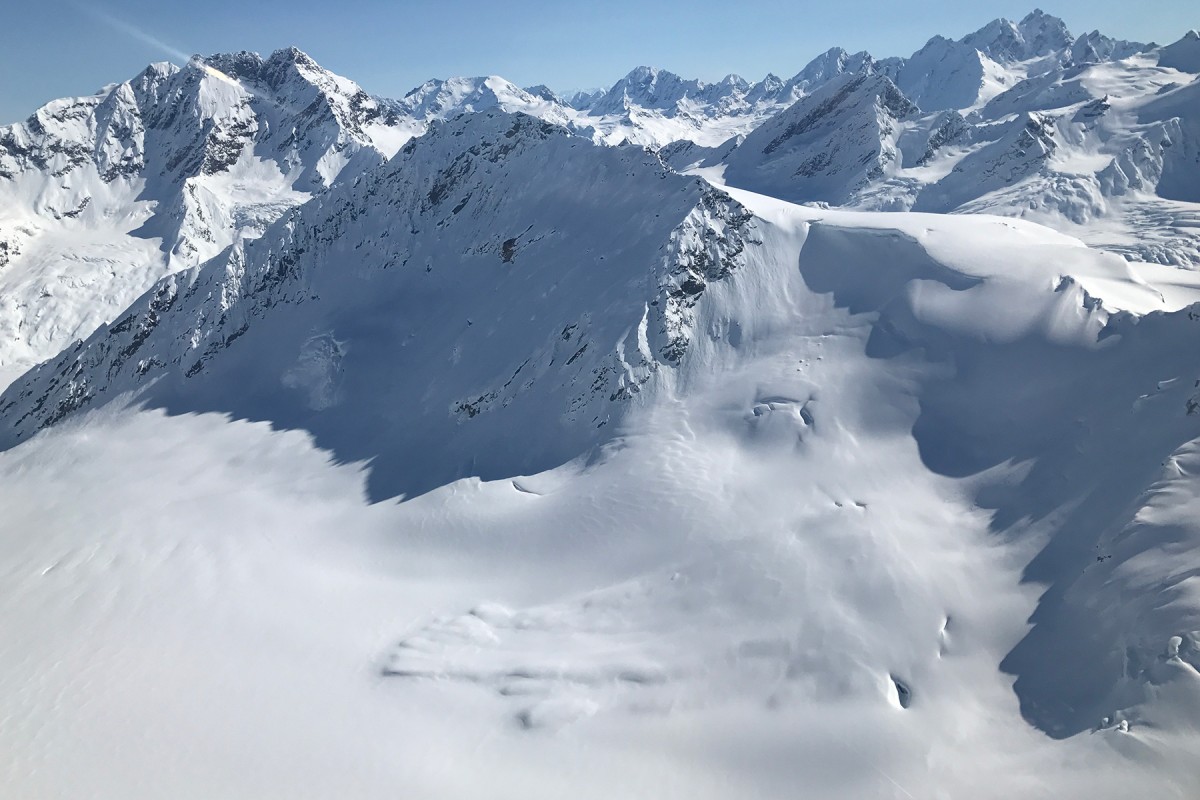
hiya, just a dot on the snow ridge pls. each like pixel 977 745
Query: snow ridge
pixel 454 208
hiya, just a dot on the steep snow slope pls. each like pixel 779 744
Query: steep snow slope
pixel 946 74
pixel 827 146
pixel 1183 55
pixel 792 554
pixel 102 195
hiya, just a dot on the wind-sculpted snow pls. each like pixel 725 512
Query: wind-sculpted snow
pixel 1038 455
pixel 503 269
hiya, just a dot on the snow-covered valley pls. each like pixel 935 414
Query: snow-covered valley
pixel 527 463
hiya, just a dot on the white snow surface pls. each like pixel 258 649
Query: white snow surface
pixel 485 444
pixel 889 505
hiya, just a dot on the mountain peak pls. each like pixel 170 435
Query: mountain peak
pixel 1039 18
pixel 647 87
pixel 828 144
pixel 644 75
pixel 1000 39
pixel 1183 55
pixel 543 92
pixel 1043 33
pixel 274 70
pixel 160 68
pixel 1095 46
pixel 448 98
pixel 833 62
pixel 1037 34
pixel 293 55
pixel 243 65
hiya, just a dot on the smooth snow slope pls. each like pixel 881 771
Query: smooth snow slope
pixel 895 497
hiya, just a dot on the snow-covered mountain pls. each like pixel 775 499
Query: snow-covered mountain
pixel 649 106
pixel 655 107
pixel 456 219
pixel 1099 148
pixel 102 195
pixel 445 99
pixel 1018 118
pixel 685 456
pixel 486 443
pixel 965 73
pixel 827 147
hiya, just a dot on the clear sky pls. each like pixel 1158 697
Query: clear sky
pixel 59 48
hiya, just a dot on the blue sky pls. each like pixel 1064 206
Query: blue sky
pixel 56 48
